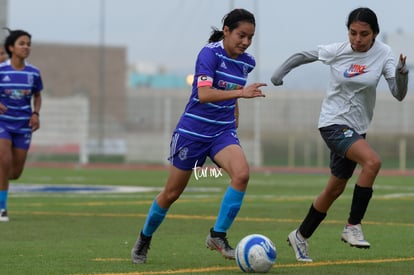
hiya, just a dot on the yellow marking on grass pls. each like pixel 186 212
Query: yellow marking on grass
pixel 276 266
pixel 178 271
pixel 346 262
pixel 191 217
pixel 248 198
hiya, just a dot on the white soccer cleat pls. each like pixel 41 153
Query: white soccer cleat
pixel 3 215
pixel 353 235
pixel 300 247
pixel 218 241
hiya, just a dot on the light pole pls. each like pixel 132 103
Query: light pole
pixel 101 79
pixel 257 136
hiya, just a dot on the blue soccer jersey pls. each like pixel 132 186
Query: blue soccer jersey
pixel 204 121
pixel 16 90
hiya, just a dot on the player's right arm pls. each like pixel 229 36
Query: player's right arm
pixel 292 62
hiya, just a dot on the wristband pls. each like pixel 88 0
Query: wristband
pixel 35 113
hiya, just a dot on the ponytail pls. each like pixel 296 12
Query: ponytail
pixel 232 20
pixel 216 35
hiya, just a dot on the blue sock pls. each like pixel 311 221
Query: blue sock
pixel 3 199
pixel 229 208
pixel 156 215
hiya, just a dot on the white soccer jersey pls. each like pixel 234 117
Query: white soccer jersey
pixel 351 92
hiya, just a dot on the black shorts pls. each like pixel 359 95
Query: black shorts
pixel 339 138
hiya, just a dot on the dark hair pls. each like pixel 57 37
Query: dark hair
pixel 364 15
pixel 12 38
pixel 232 20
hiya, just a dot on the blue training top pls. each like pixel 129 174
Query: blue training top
pixel 205 121
pixel 16 90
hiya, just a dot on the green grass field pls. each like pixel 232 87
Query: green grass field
pixel 92 233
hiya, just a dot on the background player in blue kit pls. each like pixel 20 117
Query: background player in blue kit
pixel 207 128
pixel 19 83
pixel 356 68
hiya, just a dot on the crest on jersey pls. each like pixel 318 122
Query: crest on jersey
pixel 30 79
pixel 245 70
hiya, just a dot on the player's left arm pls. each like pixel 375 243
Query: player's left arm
pixel 398 85
pixel 236 114
pixel 34 119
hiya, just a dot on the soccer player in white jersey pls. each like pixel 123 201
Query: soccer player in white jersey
pixel 207 128
pixel 356 67
pixel 20 82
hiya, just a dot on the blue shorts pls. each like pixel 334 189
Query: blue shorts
pixel 187 154
pixel 18 140
pixel 339 138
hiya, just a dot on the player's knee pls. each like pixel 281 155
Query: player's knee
pixel 15 176
pixel 171 197
pixel 242 177
pixel 374 165
pixel 15 173
pixel 337 192
pixel 5 160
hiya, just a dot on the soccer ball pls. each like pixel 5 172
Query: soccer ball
pixel 255 253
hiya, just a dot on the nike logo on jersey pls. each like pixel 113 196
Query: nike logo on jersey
pixel 354 70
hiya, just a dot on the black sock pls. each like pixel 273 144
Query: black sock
pixel 215 234
pixel 311 222
pixel 360 200
pixel 145 237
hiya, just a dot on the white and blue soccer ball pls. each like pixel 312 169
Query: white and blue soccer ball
pixel 255 253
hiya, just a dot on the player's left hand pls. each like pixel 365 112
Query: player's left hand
pixel 34 122
pixel 403 59
pixel 401 64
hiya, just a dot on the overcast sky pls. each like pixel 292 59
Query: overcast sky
pixel 170 33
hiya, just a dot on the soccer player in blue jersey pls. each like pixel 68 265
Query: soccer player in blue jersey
pixel 207 128
pixel 19 83
pixel 356 67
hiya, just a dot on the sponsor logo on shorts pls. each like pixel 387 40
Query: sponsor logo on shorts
pixel 348 132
